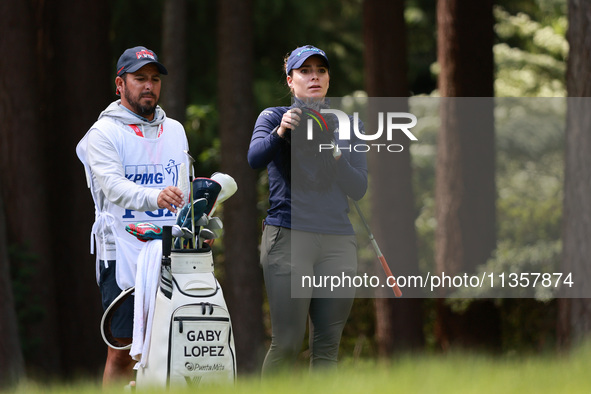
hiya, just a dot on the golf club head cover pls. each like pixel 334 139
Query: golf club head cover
pixel 206 188
pixel 228 185
pixel 144 231
pixel 184 216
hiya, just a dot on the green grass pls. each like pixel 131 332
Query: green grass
pixel 450 373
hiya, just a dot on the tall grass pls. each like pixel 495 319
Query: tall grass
pixel 450 373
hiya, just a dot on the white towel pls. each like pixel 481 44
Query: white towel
pixel 183 183
pixel 146 286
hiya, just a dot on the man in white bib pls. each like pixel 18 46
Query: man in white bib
pixel 132 155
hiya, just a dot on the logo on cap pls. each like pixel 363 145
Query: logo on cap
pixel 145 54
pixel 311 49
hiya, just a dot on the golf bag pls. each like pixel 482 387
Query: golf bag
pixel 191 341
pixel 187 337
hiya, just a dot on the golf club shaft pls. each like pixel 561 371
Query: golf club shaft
pixel 376 248
pixel 183 184
pixel 192 212
pixel 191 178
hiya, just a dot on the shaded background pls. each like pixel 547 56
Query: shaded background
pixel 464 196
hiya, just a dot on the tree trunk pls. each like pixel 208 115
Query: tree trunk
pixel 23 185
pixel 68 60
pixel 11 355
pixel 464 41
pixel 392 198
pixel 574 321
pixel 174 56
pixel 465 173
pixel 243 282
pixel 16 34
pixel 86 50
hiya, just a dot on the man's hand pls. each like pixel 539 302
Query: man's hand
pixel 171 198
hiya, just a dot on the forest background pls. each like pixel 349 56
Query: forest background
pixel 57 68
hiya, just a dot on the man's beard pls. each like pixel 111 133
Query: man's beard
pixel 142 110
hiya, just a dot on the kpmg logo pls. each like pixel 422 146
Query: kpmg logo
pixel 145 175
pixel 392 122
pixel 154 176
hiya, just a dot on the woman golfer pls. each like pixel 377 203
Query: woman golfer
pixel 308 241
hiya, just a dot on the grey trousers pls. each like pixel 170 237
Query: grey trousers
pixel 285 252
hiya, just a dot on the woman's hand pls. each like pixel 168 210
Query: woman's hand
pixel 289 121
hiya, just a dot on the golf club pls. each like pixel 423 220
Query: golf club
pixel 191 177
pixel 214 223
pixel 381 257
pixel 207 188
pixel 228 185
pixel 206 233
pixel 181 232
pixel 202 221
pixel 177 231
pixel 197 208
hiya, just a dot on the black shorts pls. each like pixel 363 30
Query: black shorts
pixel 122 323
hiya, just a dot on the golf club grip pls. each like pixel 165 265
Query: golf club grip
pixel 166 240
pixel 395 288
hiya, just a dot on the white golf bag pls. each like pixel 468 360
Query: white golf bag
pixel 189 339
pixel 192 342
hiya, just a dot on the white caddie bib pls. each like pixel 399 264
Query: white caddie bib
pixel 151 163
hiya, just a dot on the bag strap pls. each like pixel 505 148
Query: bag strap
pixel 106 333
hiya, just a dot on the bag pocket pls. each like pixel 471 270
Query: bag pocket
pixel 201 348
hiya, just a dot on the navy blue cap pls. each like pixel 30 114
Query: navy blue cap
pixel 299 55
pixel 137 57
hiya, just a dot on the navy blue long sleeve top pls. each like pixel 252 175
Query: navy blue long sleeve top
pixel 307 209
